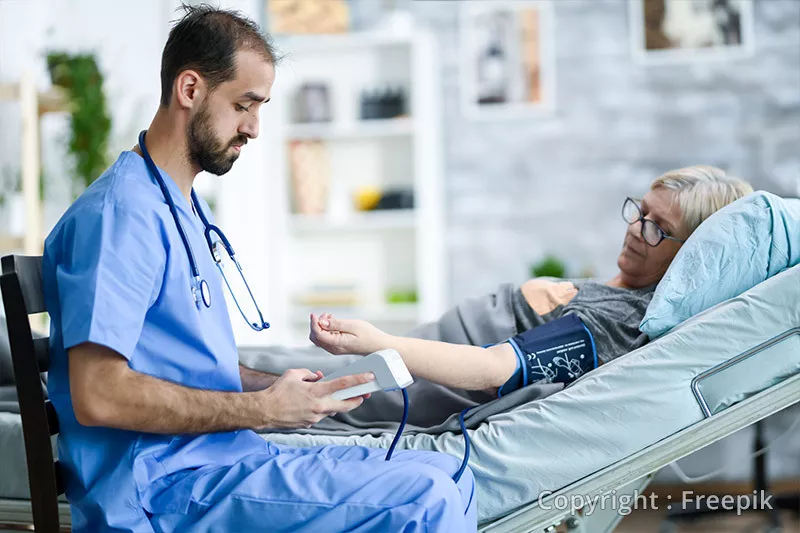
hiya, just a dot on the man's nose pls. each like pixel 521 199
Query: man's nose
pixel 250 127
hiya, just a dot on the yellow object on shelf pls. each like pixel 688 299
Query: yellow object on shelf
pixel 367 198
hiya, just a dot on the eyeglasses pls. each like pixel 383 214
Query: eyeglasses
pixel 651 232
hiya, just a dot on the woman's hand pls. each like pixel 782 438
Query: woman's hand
pixel 344 336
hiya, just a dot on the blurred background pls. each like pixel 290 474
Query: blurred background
pixel 416 153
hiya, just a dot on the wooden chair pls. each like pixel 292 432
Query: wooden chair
pixel 21 285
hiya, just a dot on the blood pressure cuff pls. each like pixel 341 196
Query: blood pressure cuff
pixel 559 351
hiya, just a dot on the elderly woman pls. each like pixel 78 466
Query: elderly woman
pixel 473 354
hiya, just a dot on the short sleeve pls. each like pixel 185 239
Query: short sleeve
pixel 108 275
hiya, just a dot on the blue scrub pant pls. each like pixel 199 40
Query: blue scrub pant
pixel 319 490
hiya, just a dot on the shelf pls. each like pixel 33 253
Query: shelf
pixel 364 129
pixel 51 101
pixel 367 40
pixel 11 242
pixel 389 219
pixel 9 91
pixel 406 312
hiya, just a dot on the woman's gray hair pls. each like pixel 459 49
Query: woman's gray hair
pixel 701 190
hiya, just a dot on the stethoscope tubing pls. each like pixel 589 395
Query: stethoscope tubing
pixel 200 284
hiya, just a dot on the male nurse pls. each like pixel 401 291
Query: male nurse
pixel 158 418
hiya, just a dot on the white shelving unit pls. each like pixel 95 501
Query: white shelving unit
pixel 364 254
pixel 33 105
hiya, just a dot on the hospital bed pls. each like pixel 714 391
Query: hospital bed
pixel 606 434
pixel 716 373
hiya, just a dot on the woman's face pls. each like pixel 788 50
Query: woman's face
pixel 640 264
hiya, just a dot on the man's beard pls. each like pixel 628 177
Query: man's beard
pixel 206 150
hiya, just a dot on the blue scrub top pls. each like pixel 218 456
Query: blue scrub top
pixel 116 273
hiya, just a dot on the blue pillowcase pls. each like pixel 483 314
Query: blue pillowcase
pixel 735 249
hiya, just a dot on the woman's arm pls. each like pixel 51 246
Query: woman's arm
pixel 454 365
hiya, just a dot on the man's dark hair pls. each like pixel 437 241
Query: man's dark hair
pixel 206 39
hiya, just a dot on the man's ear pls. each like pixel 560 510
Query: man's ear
pixel 190 88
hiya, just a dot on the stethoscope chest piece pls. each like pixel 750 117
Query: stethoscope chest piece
pixel 205 293
pixel 201 293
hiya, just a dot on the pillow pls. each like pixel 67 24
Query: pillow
pixel 733 250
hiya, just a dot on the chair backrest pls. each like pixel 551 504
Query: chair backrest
pixel 21 284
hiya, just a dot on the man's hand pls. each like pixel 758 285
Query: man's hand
pixel 298 400
pixel 343 336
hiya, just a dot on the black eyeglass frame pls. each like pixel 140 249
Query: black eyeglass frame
pixel 663 234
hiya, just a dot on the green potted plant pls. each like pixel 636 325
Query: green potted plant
pixel 90 122
pixel 550 266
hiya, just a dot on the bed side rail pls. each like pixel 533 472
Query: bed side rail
pixel 715 392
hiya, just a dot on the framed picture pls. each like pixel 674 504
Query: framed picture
pixel 683 31
pixel 508 59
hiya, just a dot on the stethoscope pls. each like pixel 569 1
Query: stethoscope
pixel 200 289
